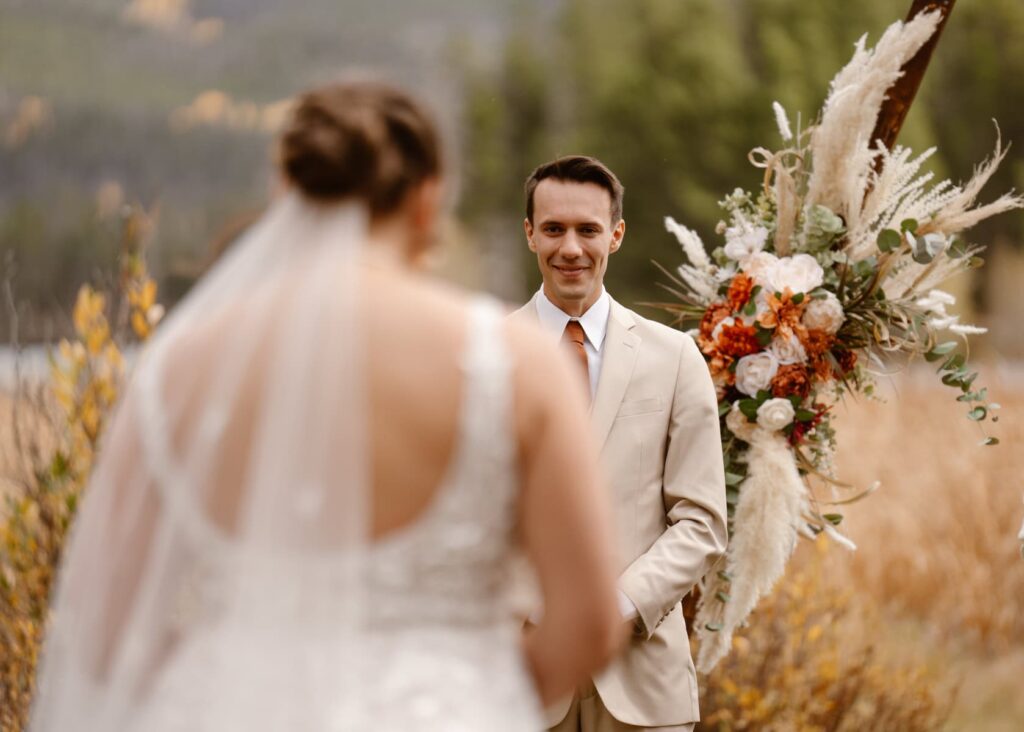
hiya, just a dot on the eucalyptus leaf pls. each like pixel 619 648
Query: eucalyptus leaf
pixel 954 362
pixel 865 267
pixel 935 243
pixel 953 379
pixel 833 518
pixel 909 225
pixel 940 350
pixel 889 239
pixel 749 408
pixel 958 248
pixel 989 441
pixel 821 228
pixel 734 478
pixel 919 250
pixel 977 414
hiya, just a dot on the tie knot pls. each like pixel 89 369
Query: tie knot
pixel 574 333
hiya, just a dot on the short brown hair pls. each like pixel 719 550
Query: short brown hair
pixel 359 139
pixel 578 169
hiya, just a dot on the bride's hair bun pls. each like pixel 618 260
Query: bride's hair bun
pixel 362 140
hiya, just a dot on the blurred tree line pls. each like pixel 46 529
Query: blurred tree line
pixel 672 94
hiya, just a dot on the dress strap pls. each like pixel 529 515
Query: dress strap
pixel 486 420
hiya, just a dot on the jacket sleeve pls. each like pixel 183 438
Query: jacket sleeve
pixel 693 489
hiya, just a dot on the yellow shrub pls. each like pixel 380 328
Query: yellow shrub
pixel 811 659
pixel 86 375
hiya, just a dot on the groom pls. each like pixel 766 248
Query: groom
pixel 655 417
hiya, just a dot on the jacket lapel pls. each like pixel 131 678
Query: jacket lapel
pixel 528 312
pixel 621 347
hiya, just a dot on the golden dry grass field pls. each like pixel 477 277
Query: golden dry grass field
pixel 938 551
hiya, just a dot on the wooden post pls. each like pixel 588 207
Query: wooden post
pixel 901 95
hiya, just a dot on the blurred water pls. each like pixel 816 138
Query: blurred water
pixel 30 361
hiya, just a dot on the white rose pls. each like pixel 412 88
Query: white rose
pixel 825 314
pixel 762 302
pixel 800 273
pixel 744 239
pixel 760 266
pixel 775 414
pixel 788 349
pixel 738 423
pixel 755 372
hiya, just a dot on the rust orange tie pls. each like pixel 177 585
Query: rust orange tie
pixel 574 337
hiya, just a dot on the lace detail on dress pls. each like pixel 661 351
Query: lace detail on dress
pixel 449 566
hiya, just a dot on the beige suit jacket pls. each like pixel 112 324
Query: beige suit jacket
pixel 655 417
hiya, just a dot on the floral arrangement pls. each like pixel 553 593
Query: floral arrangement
pixel 827 276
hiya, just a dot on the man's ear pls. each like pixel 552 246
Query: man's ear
pixel 617 234
pixel 528 228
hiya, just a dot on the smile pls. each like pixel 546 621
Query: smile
pixel 571 272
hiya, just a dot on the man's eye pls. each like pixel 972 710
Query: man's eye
pixel 552 229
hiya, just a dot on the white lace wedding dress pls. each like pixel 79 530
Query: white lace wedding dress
pixel 439 648
pixel 220 576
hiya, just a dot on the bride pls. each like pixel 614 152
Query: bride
pixel 306 509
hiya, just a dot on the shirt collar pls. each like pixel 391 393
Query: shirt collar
pixel 594 321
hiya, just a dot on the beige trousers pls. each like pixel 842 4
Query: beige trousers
pixel 588 714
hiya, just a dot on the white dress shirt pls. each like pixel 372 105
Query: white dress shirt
pixel 594 323
pixel 595 326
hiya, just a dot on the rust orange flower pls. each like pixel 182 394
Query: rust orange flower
pixel 739 291
pixel 791 380
pixel 738 340
pixel 722 377
pixel 816 344
pixel 847 360
pixel 714 315
pixel 783 314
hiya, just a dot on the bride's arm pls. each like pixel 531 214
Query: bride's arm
pixel 565 522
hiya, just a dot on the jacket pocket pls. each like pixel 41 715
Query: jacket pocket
pixel 640 406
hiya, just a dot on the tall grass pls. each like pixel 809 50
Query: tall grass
pixel 922 628
pixel 938 542
pixel 811 659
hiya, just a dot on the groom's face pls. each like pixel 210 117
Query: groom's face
pixel 572 234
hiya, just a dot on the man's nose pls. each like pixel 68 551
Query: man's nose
pixel 571 248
